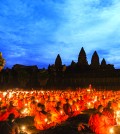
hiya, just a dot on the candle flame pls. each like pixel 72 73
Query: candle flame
pixel 111 130
pixel 46 119
pixel 23 127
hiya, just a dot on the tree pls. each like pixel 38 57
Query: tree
pixel 2 62
pixel 43 77
pixel 23 77
pixel 95 60
pixel 82 59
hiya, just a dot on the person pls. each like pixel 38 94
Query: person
pixel 109 112
pixel 99 123
pixel 97 103
pixel 67 108
pixel 41 119
pixel 4 113
pixel 12 109
pixel 74 107
pixel 81 103
pixel 61 114
pixel 9 126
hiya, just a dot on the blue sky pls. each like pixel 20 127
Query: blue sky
pixel 33 32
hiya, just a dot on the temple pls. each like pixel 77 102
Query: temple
pixel 78 74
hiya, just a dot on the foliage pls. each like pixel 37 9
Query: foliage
pixel 23 77
pixel 2 62
pixel 43 77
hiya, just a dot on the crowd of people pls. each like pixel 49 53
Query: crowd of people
pixel 50 108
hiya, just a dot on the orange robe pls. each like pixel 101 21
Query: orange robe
pixel 33 109
pixel 99 124
pixel 82 105
pixel 55 116
pixel 14 111
pixel 110 114
pixel 20 104
pixel 75 111
pixel 40 121
pixel 96 104
pixel 4 116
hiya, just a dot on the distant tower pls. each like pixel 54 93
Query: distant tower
pixel 82 59
pixel 58 62
pixel 72 63
pixel 103 63
pixel 95 60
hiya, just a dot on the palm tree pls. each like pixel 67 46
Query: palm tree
pixel 2 62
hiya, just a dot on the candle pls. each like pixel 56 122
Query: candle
pixel 118 117
pixel 25 112
pixel 23 128
pixel 88 90
pixel 111 130
pixel 4 94
pixel 26 104
pixel 88 105
pixel 46 119
pixel 61 112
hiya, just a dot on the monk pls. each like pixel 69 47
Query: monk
pixel 109 112
pixel 67 108
pixel 13 109
pixel 99 123
pixel 4 114
pixel 41 120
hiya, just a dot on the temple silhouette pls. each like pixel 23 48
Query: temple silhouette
pixel 78 74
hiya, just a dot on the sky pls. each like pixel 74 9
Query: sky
pixel 34 32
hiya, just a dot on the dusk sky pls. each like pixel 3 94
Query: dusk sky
pixel 33 32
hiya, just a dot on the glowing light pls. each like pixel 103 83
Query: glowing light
pixel 78 109
pixel 42 92
pixel 4 94
pixel 61 112
pixel 88 90
pixel 117 116
pixel 25 112
pixel 46 119
pixel 23 128
pixel 89 104
pixel 10 95
pixel 95 99
pixel 26 104
pixel 111 131
pixel 37 101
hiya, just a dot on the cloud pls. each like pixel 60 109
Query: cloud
pixel 42 29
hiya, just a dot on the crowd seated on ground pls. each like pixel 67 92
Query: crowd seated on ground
pixel 50 108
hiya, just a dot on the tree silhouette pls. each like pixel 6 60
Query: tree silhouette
pixel 43 77
pixel 95 60
pixel 82 59
pixel 23 77
pixel 2 62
